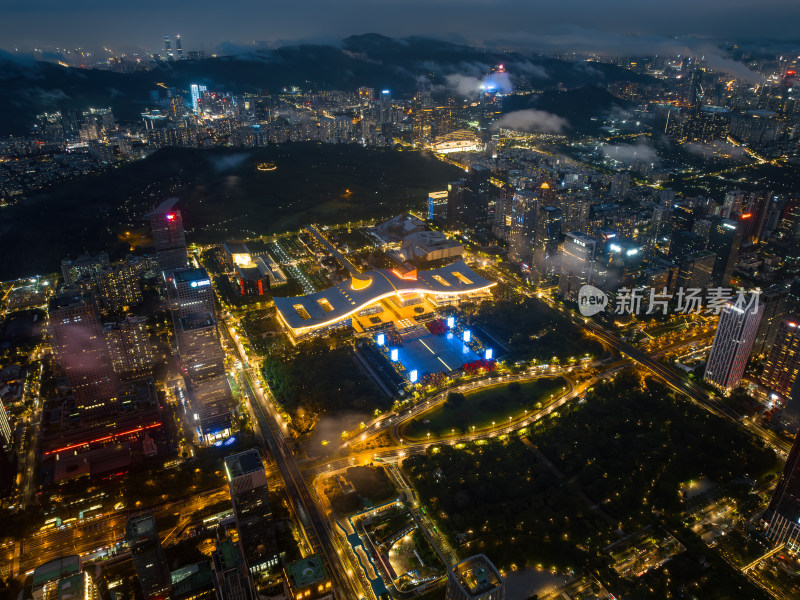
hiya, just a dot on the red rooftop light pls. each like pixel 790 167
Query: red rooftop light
pixel 170 217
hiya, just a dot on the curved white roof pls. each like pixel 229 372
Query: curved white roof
pixel 342 300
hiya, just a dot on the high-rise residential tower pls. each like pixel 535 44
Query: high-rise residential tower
pixel 736 332
pixel 170 240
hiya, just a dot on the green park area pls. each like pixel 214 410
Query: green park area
pixel 461 412
pixel 591 475
pixel 313 380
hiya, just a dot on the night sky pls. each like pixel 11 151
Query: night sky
pixel 531 24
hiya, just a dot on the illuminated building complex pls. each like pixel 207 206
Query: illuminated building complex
pixel 475 578
pixel 305 314
pixel 118 286
pixel 247 481
pixel 62 579
pixel 170 240
pixel 80 348
pixel 149 561
pixel 733 340
pixel 5 427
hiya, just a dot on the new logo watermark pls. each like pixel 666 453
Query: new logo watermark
pixel 632 301
pixel 591 300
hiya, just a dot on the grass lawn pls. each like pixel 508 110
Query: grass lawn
pixel 480 408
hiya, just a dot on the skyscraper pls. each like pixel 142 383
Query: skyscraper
pixel 178 47
pixel 196 93
pixel 736 332
pixel 168 49
pixel 783 360
pixel 546 239
pixel 247 481
pixel 149 561
pixel 385 107
pixel 783 513
pixel 724 240
pixel 577 264
pixel 118 287
pixel 456 202
pixel 203 362
pixel 437 206
pixel 231 578
pixel 5 426
pixel 189 292
pixel 80 348
pixel 170 240
pixel 475 578
pixel 524 207
pixel 132 354
pixel 774 299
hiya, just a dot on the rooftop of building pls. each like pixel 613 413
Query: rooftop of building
pixel 190 275
pixel 477 575
pixel 228 554
pixel 196 576
pixel 68 300
pixel 306 571
pixel 72 587
pixel 243 463
pixel 196 321
pixel 140 526
pixel 234 247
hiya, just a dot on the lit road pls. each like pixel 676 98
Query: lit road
pixel 317 528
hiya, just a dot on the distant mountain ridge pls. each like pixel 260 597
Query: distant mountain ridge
pixel 29 87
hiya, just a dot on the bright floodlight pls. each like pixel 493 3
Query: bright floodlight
pixel 381 339
pixel 467 335
pixel 393 354
pixel 488 354
pixel 451 322
pixel 412 377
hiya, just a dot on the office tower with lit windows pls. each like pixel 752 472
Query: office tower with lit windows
pixel 524 208
pixel 546 240
pixel 170 240
pixel 774 299
pixel 475 578
pixel 80 348
pixel 577 264
pixel 502 213
pixel 168 49
pixel 178 47
pixel 247 481
pixel 725 239
pixel 733 340
pixel 437 206
pixel 202 361
pixel 783 361
pixel 190 291
pixel 148 557
pixel 782 516
pixel 132 353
